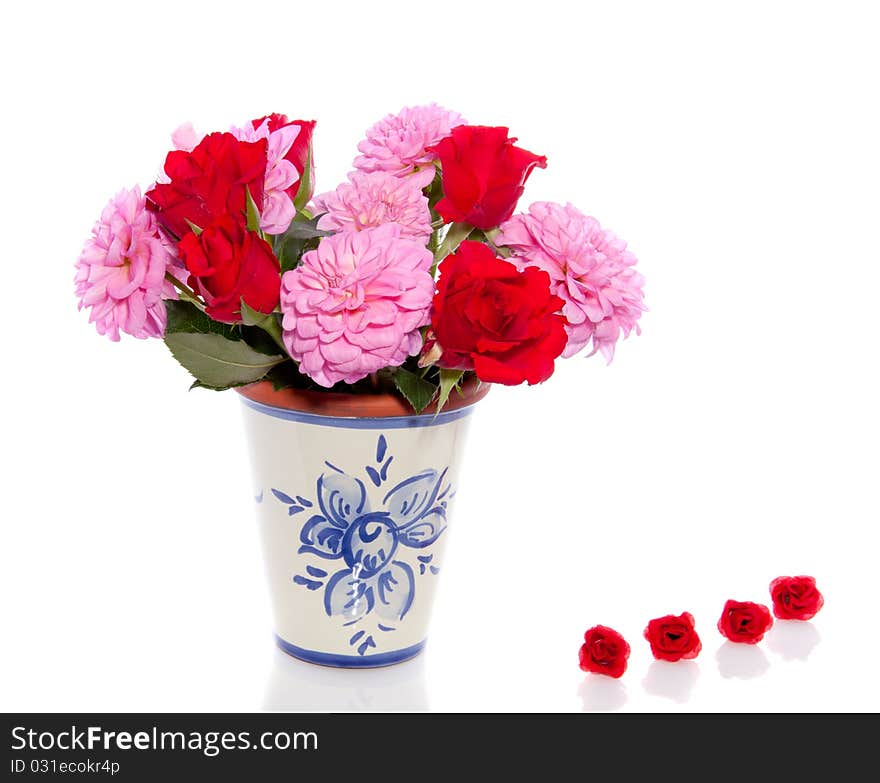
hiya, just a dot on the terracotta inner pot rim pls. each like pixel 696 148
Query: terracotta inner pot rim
pixel 337 405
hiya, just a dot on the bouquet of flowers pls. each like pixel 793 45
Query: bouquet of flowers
pixel 414 274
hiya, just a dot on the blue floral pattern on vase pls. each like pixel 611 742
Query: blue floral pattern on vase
pixel 344 527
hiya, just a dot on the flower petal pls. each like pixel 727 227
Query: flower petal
pixel 426 531
pixel 413 498
pixel 395 590
pixel 321 537
pixel 342 498
pixel 348 596
pixel 370 543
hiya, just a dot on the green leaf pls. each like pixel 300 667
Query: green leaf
pixel 253 213
pixel 305 228
pixel 417 391
pixel 218 355
pixel 268 322
pixel 302 235
pixel 287 376
pixel 193 227
pixel 434 191
pixel 449 379
pixel 264 337
pixel 186 317
pixel 455 235
pixel 218 362
pixel 305 184
pixel 251 317
pixel 257 339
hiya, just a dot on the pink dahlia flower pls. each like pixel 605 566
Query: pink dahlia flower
pixel 369 200
pixel 120 274
pixel 355 304
pixel 398 143
pixel 589 268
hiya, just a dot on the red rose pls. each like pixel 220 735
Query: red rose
pixel 493 319
pixel 604 651
pixel 673 638
pixel 483 175
pixel 209 182
pixel 227 263
pixel 795 597
pixel 300 152
pixel 744 622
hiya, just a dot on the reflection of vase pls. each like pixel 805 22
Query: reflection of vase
pixel 354 494
pixel 294 685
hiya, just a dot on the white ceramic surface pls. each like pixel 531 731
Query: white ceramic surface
pixel 353 515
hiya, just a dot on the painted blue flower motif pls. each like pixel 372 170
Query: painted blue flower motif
pixel 368 542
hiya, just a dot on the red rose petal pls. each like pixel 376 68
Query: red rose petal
pixel 604 651
pixel 744 622
pixel 795 597
pixel 483 175
pixel 490 317
pixel 673 637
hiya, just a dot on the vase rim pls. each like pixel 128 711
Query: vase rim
pixel 356 406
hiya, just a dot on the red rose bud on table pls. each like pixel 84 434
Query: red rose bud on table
pixel 209 182
pixel 300 152
pixel 673 638
pixel 604 651
pixel 744 622
pixel 484 175
pixel 488 317
pixel 795 597
pixel 228 263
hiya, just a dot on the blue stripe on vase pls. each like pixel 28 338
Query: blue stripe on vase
pixel 350 661
pixel 353 423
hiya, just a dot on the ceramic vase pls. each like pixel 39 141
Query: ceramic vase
pixel 354 497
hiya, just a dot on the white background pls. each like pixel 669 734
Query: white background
pixel 735 147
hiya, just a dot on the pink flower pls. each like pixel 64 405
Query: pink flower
pixel 398 143
pixel 185 137
pixel 120 274
pixel 589 268
pixel 375 199
pixel 277 209
pixel 355 305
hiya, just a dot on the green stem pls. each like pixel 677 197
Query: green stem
pixel 186 293
pixel 272 327
pixel 456 234
pixel 490 239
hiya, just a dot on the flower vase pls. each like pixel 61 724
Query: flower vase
pixel 354 495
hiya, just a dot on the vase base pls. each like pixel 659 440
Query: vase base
pixel 336 661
